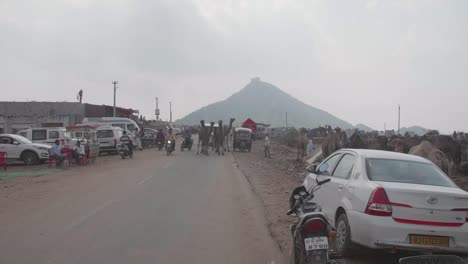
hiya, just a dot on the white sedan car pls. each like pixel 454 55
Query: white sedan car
pixel 20 148
pixel 387 200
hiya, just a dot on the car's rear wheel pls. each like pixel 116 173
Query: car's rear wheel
pixel 343 236
pixel 29 158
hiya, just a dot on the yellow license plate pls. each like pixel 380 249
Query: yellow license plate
pixel 437 241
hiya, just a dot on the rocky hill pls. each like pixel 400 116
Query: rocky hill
pixel 265 103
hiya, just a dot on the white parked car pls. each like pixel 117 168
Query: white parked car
pixel 20 148
pixel 387 200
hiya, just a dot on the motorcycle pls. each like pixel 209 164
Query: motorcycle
pixel 124 151
pixel 159 144
pixel 312 234
pixel 169 147
pixel 186 144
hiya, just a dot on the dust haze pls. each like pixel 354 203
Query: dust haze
pixel 355 59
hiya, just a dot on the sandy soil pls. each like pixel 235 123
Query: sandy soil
pixel 274 179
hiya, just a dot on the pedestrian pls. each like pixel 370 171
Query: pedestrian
pixel 55 152
pixel 78 152
pixel 138 139
pixel 310 147
pixel 267 146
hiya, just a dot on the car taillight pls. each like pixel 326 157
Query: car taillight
pixel 314 226
pixel 379 204
pixel 462 210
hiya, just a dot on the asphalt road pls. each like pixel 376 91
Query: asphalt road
pixel 185 208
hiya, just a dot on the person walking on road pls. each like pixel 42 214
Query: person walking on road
pixel 138 139
pixel 55 152
pixel 310 147
pixel 267 145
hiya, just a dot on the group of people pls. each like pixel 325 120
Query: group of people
pixel 77 152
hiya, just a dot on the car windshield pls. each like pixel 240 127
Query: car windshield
pixel 403 171
pixel 105 134
pixel 21 139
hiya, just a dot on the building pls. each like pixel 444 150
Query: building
pixel 16 116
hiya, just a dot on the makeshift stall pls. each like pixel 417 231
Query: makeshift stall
pixel 86 134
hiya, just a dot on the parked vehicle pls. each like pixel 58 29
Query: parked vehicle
pixel 122 122
pixel 21 148
pixel 148 139
pixel 242 139
pixel 439 259
pixel 45 135
pixel 186 144
pixel 124 151
pixel 312 233
pixel 387 200
pixel 169 147
pixel 108 138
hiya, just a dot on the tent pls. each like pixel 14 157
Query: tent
pixel 249 123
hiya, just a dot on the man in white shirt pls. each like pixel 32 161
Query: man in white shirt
pixel 78 152
pixel 267 147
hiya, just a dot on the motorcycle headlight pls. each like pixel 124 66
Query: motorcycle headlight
pixel 169 142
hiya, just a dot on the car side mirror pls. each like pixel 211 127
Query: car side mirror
pixel 16 143
pixel 312 168
pixel 323 168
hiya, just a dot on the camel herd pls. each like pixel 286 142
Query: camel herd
pixel 442 150
pixel 222 136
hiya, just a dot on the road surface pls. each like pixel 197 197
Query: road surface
pixel 185 208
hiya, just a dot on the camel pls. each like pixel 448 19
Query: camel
pixel 202 134
pixel 449 146
pixel 356 142
pixel 204 137
pixel 228 135
pixel 302 144
pixel 330 144
pixel 379 142
pixel 219 138
pixel 429 151
pixel 396 144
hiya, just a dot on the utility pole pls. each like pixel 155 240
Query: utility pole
pixel 156 111
pixel 170 112
pixel 398 119
pixel 286 119
pixel 115 90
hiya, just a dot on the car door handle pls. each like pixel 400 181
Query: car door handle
pixel 340 187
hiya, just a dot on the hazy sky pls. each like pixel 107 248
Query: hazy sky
pixel 355 59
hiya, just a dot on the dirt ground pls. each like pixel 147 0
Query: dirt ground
pixel 274 179
pixel 18 178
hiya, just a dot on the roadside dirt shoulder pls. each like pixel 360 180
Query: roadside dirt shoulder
pixel 273 180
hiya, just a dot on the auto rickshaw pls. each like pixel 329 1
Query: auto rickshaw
pixel 242 139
